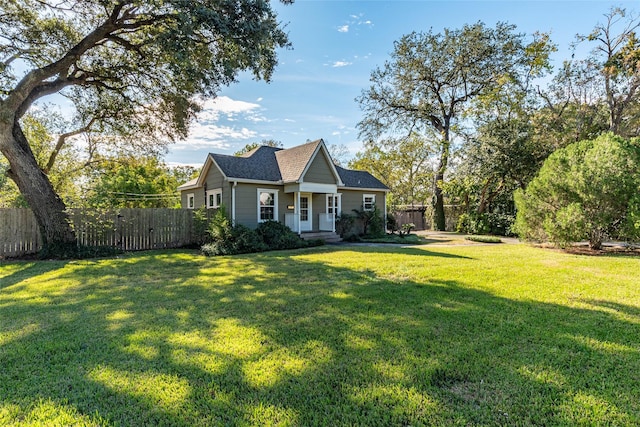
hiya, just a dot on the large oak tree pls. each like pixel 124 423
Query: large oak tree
pixel 432 80
pixel 132 62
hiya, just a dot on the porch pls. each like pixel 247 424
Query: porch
pixel 313 211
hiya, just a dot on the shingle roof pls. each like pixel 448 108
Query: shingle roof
pixel 286 165
pixel 359 179
pixel 260 164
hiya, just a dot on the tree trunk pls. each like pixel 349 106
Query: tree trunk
pixel 439 222
pixel 48 208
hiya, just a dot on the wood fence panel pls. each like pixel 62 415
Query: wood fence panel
pixel 19 232
pixel 126 229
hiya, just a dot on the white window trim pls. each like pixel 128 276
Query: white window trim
pixel 213 193
pixel 338 206
pixel 364 198
pixel 191 201
pixel 275 202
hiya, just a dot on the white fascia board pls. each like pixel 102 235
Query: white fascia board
pixel 365 189
pixel 184 187
pixel 253 181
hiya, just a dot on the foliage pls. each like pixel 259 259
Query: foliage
pixel 400 239
pixel 484 239
pixel 230 239
pixel 131 69
pixel 253 145
pixel 392 224
pixel 588 190
pixel 278 236
pixel 238 239
pixel 345 224
pixel 372 221
pixel 401 164
pixel 486 223
pixel 405 230
pixel 337 335
pixel 615 61
pixel 135 183
pixel 339 154
pixel 432 80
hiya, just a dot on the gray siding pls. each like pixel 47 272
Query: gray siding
pixel 352 199
pixel 247 203
pixel 214 179
pixel 199 198
pixel 320 170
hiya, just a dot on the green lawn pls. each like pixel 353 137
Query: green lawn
pixel 469 335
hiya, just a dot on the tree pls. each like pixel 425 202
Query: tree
pixel 587 190
pixel 432 79
pixel 339 154
pixel 616 56
pixel 63 169
pixel 135 183
pixel 142 62
pixel 253 145
pixel 403 165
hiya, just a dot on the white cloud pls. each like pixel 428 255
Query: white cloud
pixel 223 105
pixel 343 29
pixel 338 64
pixel 221 123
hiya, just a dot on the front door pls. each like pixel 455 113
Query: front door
pixel 305 212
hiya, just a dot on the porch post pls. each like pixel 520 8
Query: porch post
pixel 335 211
pixel 297 211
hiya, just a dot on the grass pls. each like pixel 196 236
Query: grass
pixel 470 335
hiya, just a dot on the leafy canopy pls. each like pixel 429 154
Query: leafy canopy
pixel 589 190
pixel 130 58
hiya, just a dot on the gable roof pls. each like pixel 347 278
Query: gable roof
pixel 259 164
pixel 360 179
pixel 280 166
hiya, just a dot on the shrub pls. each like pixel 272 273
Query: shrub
pixel 392 224
pixel 278 236
pixel 344 224
pixel 484 239
pixel 228 239
pixel 372 221
pixel 585 191
pixel 487 223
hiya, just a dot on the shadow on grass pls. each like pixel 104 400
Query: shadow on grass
pixel 290 338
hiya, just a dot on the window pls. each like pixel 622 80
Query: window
pixel 214 198
pixel 267 205
pixel 334 203
pixel 191 200
pixel 368 202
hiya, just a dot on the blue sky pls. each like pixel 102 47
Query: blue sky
pixel 336 45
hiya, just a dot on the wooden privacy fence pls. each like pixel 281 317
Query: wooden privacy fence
pixel 127 229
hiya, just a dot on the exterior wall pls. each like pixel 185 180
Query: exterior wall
pixel 320 170
pixel 319 205
pixel 247 203
pixel 198 199
pixel 352 199
pixel 214 180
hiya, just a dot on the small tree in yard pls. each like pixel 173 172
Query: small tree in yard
pixel 589 190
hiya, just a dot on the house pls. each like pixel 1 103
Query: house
pixel 299 186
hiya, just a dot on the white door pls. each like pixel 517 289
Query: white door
pixel 305 212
